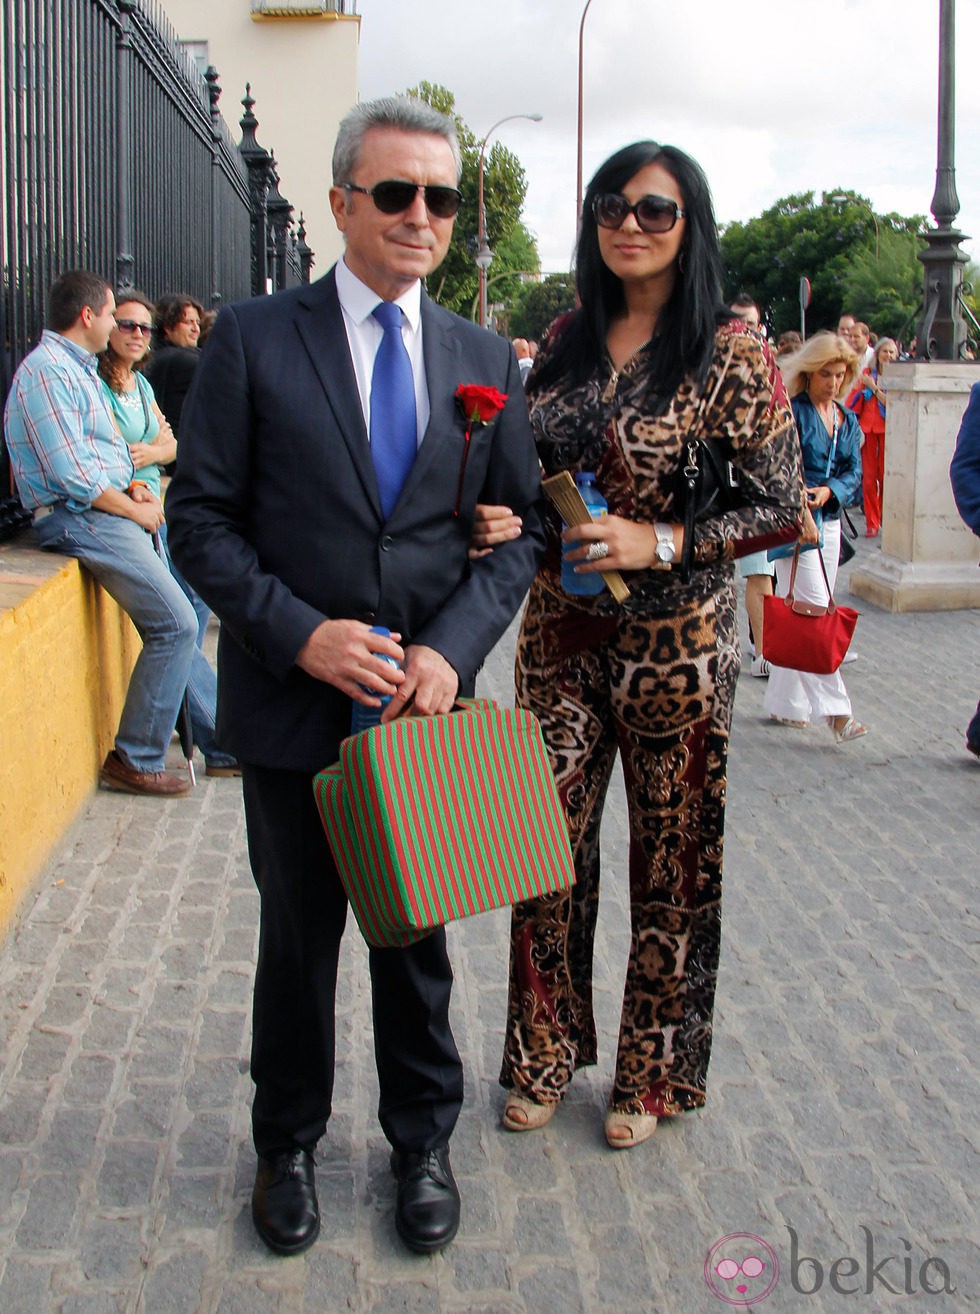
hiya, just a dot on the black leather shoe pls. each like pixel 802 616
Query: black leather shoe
pixel 284 1208
pixel 427 1212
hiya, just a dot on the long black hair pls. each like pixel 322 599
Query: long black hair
pixel 685 334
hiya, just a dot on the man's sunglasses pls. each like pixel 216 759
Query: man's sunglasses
pixel 654 214
pixel 134 326
pixel 395 197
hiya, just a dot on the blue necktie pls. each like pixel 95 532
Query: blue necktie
pixel 394 426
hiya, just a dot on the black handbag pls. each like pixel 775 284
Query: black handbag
pixel 707 483
pixel 847 532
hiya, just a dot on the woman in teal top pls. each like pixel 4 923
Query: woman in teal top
pixel 152 444
pixel 141 422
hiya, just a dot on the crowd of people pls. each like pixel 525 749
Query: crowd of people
pixel 357 550
pixel 88 443
pixel 844 456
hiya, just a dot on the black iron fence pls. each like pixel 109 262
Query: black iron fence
pixel 115 157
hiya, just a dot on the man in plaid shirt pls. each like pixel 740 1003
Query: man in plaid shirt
pixel 74 472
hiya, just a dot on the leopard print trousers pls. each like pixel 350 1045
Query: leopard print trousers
pixel 660 691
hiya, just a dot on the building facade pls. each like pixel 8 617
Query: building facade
pixel 300 59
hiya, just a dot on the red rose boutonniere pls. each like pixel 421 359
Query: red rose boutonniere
pixel 478 405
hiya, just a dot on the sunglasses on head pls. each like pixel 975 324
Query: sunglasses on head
pixel 654 214
pixel 134 326
pixel 393 197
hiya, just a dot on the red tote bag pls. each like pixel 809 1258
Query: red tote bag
pixel 806 636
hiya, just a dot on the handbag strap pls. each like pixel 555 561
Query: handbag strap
pixel 791 595
pixel 833 444
pixel 146 406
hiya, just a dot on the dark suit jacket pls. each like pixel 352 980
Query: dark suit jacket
pixel 964 472
pixel 274 515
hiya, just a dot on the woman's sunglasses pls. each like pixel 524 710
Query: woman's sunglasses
pixel 394 197
pixel 654 214
pixel 134 326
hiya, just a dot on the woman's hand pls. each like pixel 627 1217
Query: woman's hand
pixel 632 545
pixel 143 454
pixel 810 534
pixel 818 496
pixel 493 525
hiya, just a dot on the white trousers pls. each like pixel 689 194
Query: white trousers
pixel 798 695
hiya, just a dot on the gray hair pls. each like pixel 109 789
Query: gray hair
pixel 402 112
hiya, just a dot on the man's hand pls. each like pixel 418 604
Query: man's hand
pixel 147 509
pixel 138 504
pixel 430 685
pixel 493 525
pixel 344 653
pixel 147 513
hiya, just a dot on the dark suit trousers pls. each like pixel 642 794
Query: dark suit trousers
pixel 303 913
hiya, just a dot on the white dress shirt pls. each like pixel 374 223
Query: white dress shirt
pixel 364 335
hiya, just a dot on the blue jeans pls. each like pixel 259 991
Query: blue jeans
pixel 201 609
pixel 202 683
pixel 121 557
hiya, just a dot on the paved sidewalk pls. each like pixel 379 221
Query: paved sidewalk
pixel 843 1092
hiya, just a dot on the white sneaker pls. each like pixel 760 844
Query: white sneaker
pixel 850 657
pixel 760 667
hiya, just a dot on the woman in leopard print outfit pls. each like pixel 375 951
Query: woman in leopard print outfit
pixel 649 360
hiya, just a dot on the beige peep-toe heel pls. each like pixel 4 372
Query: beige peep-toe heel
pixel 624 1130
pixel 521 1114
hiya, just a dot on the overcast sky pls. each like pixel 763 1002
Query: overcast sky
pixel 770 97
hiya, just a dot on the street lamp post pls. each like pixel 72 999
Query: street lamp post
pixel 578 175
pixel 484 256
pixel 942 334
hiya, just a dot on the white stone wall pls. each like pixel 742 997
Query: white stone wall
pixel 303 74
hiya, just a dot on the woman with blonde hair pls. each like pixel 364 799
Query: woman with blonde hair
pixel 817 376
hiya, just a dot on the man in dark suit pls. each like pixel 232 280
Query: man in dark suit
pixel 964 475
pixel 302 528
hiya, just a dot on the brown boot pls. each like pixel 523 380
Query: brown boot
pixel 115 774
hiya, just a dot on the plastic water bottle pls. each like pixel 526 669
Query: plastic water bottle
pixel 583 585
pixel 363 718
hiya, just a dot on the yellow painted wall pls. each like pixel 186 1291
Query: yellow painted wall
pixel 66 653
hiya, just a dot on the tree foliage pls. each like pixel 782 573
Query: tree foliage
pixel 455 283
pixel 971 295
pixel 887 287
pixel 541 303
pixel 832 243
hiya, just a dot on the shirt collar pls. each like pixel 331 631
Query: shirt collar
pixel 51 338
pixel 358 301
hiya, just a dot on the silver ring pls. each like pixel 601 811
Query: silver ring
pixel 597 551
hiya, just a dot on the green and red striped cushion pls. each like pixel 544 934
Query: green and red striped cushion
pixel 439 817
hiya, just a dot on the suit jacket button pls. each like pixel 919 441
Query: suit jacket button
pixel 386 542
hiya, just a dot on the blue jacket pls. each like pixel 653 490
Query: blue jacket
pixel 964 472
pixel 845 472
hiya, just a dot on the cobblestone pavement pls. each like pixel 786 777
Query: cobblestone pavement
pixel 844 1087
